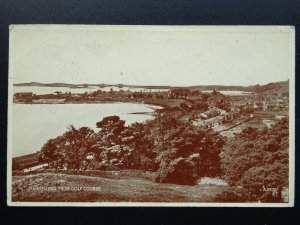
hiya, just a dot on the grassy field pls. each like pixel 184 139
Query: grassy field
pixel 78 188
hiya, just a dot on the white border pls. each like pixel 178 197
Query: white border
pixel 290 31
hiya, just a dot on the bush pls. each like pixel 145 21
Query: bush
pixel 235 194
pixel 179 171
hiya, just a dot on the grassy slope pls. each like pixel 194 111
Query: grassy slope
pixel 26 159
pixel 112 190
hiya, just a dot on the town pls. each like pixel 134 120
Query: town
pixel 203 108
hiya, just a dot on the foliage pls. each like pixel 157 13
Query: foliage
pixel 257 159
pixel 235 194
pixel 185 152
pixel 178 151
pixel 68 149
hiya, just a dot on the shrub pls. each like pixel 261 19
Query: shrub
pixel 235 194
pixel 179 171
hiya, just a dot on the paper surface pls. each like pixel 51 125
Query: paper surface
pixel 151 116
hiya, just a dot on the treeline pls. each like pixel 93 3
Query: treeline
pixel 274 87
pixel 181 153
pixel 178 151
pixel 256 164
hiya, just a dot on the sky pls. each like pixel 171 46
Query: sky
pixel 176 56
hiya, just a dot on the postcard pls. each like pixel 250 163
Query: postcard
pixel 110 115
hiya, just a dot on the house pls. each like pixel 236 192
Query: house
pixel 275 103
pixel 265 105
pixel 268 123
pixel 90 157
pixel 231 115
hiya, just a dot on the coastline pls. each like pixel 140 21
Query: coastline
pixel 153 107
pixel 47 101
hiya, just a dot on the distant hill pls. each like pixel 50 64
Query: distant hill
pixel 37 84
pixel 271 88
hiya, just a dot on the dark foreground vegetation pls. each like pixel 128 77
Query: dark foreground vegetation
pixel 178 151
pixel 172 152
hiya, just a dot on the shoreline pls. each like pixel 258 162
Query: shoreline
pixel 153 107
pixel 89 102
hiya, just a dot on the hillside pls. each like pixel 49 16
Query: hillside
pixel 37 84
pixel 272 88
pixel 276 87
pixel 25 160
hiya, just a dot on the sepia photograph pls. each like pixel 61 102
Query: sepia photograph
pixel 111 115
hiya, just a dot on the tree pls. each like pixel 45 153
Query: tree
pixel 185 152
pixel 69 149
pixel 78 142
pixel 180 93
pixel 50 153
pixel 122 147
pixel 179 171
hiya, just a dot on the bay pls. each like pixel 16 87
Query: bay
pixel 89 89
pixel 232 93
pixel 34 124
